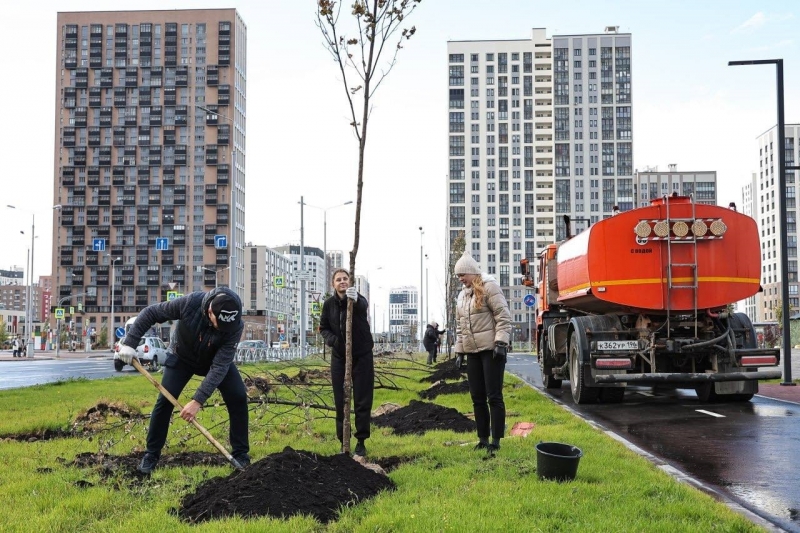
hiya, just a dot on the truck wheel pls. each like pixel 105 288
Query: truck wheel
pixel 548 380
pixel 612 394
pixel 118 365
pixel 581 394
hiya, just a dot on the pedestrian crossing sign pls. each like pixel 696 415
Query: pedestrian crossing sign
pixel 171 295
pixel 59 312
pixel 278 282
pixel 315 310
pixel 71 310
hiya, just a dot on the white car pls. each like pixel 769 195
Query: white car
pixel 151 351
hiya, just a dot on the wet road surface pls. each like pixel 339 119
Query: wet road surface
pixel 26 373
pixel 749 450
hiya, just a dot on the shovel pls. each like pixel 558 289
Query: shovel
pixel 195 423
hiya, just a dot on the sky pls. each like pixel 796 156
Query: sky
pixel 689 108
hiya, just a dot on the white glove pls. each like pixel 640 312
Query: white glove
pixel 126 354
pixel 351 293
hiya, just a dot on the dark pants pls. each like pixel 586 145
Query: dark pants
pixel 363 386
pixel 432 354
pixel 485 375
pixel 233 393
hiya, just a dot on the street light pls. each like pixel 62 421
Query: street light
pixel 782 168
pixel 113 286
pixel 421 325
pixel 200 268
pixel 325 231
pixel 427 288
pixel 234 194
pixel 29 313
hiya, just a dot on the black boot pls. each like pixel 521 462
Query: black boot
pixel 483 444
pixel 360 449
pixel 149 462
pixel 494 447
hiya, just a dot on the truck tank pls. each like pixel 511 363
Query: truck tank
pixel 670 256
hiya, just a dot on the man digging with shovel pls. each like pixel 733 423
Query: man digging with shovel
pixel 204 344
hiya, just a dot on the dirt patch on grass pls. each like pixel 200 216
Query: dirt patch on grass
pixel 419 417
pixel 114 465
pixel 98 416
pixel 314 374
pixel 442 387
pixel 392 463
pixel 447 371
pixel 39 434
pixel 285 484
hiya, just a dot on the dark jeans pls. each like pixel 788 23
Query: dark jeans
pixel 432 354
pixel 233 393
pixel 485 375
pixel 363 386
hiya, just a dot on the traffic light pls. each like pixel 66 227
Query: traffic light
pixel 523 267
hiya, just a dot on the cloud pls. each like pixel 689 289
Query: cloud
pixel 780 44
pixel 759 20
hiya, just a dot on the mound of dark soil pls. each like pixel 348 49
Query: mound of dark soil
pixel 113 465
pixel 444 388
pixel 448 371
pixel 419 417
pixel 39 434
pixel 258 383
pixel 285 484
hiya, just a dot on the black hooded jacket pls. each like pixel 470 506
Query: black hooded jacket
pixel 431 337
pixel 204 349
pixel 333 325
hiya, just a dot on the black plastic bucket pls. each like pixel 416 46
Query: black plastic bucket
pixel 557 461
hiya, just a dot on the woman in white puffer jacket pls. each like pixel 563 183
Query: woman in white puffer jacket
pixel 483 332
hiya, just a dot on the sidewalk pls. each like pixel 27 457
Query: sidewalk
pixel 48 355
pixel 780 392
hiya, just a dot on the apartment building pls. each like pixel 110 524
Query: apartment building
pixel 13 276
pixel 270 289
pixel 749 206
pixel 316 285
pixel 149 158
pixel 403 317
pixel 651 184
pixel 538 128
pixel 766 202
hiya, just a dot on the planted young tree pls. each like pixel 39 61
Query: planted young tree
pixel 453 286
pixel 365 48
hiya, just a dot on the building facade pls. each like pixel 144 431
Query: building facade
pixel 651 184
pixel 270 276
pixel 538 128
pixel 754 304
pixel 149 157
pixel 13 276
pixel 767 199
pixel 403 317
pixel 316 285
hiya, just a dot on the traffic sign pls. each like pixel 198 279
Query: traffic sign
pixel 171 295
pixel 98 245
pixel 59 312
pixel 278 282
pixel 120 332
pixel 530 300
pixel 304 275
pixel 162 243
pixel 80 307
pixel 315 308
pixel 71 310
pixel 220 241
pixel 282 337
pixel 281 316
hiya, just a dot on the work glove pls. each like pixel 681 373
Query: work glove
pixel 126 354
pixel 351 293
pixel 500 351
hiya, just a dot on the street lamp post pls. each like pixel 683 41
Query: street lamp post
pixel 427 288
pixel 200 268
pixel 421 325
pixel 325 232
pixel 782 168
pixel 113 286
pixel 29 313
pixel 234 196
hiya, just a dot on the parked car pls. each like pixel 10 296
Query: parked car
pixel 151 351
pixel 252 346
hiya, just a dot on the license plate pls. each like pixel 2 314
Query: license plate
pixel 617 345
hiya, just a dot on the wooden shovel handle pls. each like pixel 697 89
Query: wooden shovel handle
pixel 195 423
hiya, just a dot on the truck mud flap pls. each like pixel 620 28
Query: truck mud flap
pixel 685 378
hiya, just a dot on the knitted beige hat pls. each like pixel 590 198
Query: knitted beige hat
pixel 467 265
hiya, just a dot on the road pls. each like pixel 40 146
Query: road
pixel 747 450
pixel 36 372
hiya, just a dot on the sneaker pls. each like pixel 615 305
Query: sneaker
pixel 243 459
pixel 360 449
pixel 492 449
pixel 148 464
pixel 482 445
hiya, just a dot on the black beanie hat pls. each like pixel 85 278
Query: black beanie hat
pixel 227 311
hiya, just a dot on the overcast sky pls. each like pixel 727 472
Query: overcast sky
pixel 689 108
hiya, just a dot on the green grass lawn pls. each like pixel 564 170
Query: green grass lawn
pixel 444 485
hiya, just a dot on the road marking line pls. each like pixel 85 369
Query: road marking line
pixel 645 393
pixel 717 415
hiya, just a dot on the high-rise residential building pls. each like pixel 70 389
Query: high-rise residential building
pixel 13 276
pixel 149 158
pixel 767 200
pixel 749 207
pixel 362 286
pixel 538 128
pixel 316 285
pixel 271 288
pixel 651 184
pixel 403 318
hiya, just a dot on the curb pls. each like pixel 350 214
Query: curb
pixel 677 475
